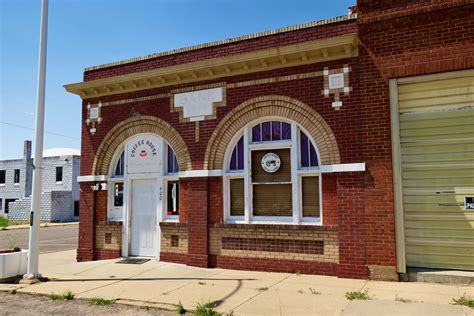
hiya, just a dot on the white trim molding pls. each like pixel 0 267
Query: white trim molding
pixel 92 178
pixel 343 167
pixel 200 173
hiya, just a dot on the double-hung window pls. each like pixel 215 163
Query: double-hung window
pixel 171 185
pixel 117 186
pixel 272 175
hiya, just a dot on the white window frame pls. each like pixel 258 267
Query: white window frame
pixel 111 187
pixel 296 175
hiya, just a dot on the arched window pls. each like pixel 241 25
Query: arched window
pixel 272 175
pixel 168 175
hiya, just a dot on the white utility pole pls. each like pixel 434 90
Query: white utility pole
pixel 38 159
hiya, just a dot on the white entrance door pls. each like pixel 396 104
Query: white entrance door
pixel 144 222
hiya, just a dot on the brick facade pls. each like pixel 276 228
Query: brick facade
pixel 357 235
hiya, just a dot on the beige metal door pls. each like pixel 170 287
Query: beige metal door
pixel 436 169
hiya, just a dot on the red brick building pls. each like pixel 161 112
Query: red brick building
pixel 271 151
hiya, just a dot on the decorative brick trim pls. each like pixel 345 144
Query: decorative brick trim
pixel 174 239
pixel 274 105
pixel 298 76
pixel 276 227
pixel 136 125
pixel 273 245
pixel 198 88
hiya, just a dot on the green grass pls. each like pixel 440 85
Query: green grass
pixel 5 222
pixel 180 309
pixel 357 295
pixel 101 301
pixel 206 309
pixel 464 300
pixel 262 289
pixel 66 296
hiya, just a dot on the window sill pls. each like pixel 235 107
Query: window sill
pixel 59 182
pixel 277 225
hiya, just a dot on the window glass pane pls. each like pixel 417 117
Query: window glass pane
pixel 272 200
pixel 310 196
pixel 173 198
pixel 172 161
pixel 7 204
pixel 313 157
pixel 119 168
pixel 237 197
pixel 16 178
pixel 2 176
pixel 233 159
pixel 76 208
pixel 59 174
pixel 237 158
pixel 118 194
pixel 285 130
pixel 281 175
pixel 276 130
pixel 240 154
pixel 266 132
pixel 304 154
pixel 256 135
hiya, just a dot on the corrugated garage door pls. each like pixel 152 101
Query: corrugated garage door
pixel 437 169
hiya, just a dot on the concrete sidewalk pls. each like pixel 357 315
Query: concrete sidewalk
pixel 164 285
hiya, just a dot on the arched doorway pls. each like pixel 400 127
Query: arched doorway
pixel 143 191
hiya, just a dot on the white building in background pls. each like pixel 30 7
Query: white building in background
pixel 60 190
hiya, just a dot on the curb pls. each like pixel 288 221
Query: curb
pixel 26 226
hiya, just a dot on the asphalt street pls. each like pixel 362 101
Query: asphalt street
pixel 52 239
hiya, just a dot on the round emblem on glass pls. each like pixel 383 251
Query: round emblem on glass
pixel 271 162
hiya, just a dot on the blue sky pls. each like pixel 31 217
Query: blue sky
pixel 84 33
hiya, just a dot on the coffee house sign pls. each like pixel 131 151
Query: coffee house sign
pixel 142 154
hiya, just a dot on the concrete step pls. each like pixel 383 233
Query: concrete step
pixel 439 276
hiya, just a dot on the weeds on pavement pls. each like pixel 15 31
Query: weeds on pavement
pixel 206 309
pixel 66 296
pixel 464 300
pixel 403 300
pixel 313 291
pixel 180 309
pixel 262 289
pixel 12 291
pixel 101 301
pixel 357 295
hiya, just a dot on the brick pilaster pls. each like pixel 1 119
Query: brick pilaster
pixel 85 250
pixel 351 225
pixel 197 212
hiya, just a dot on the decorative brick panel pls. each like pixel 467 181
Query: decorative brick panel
pixel 174 238
pixel 108 236
pixel 315 247
pixel 286 242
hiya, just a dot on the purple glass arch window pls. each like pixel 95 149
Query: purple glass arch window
pixel 308 155
pixel 237 158
pixel 173 166
pixel 271 131
pixel 119 168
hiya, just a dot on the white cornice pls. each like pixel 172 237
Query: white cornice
pixel 332 48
